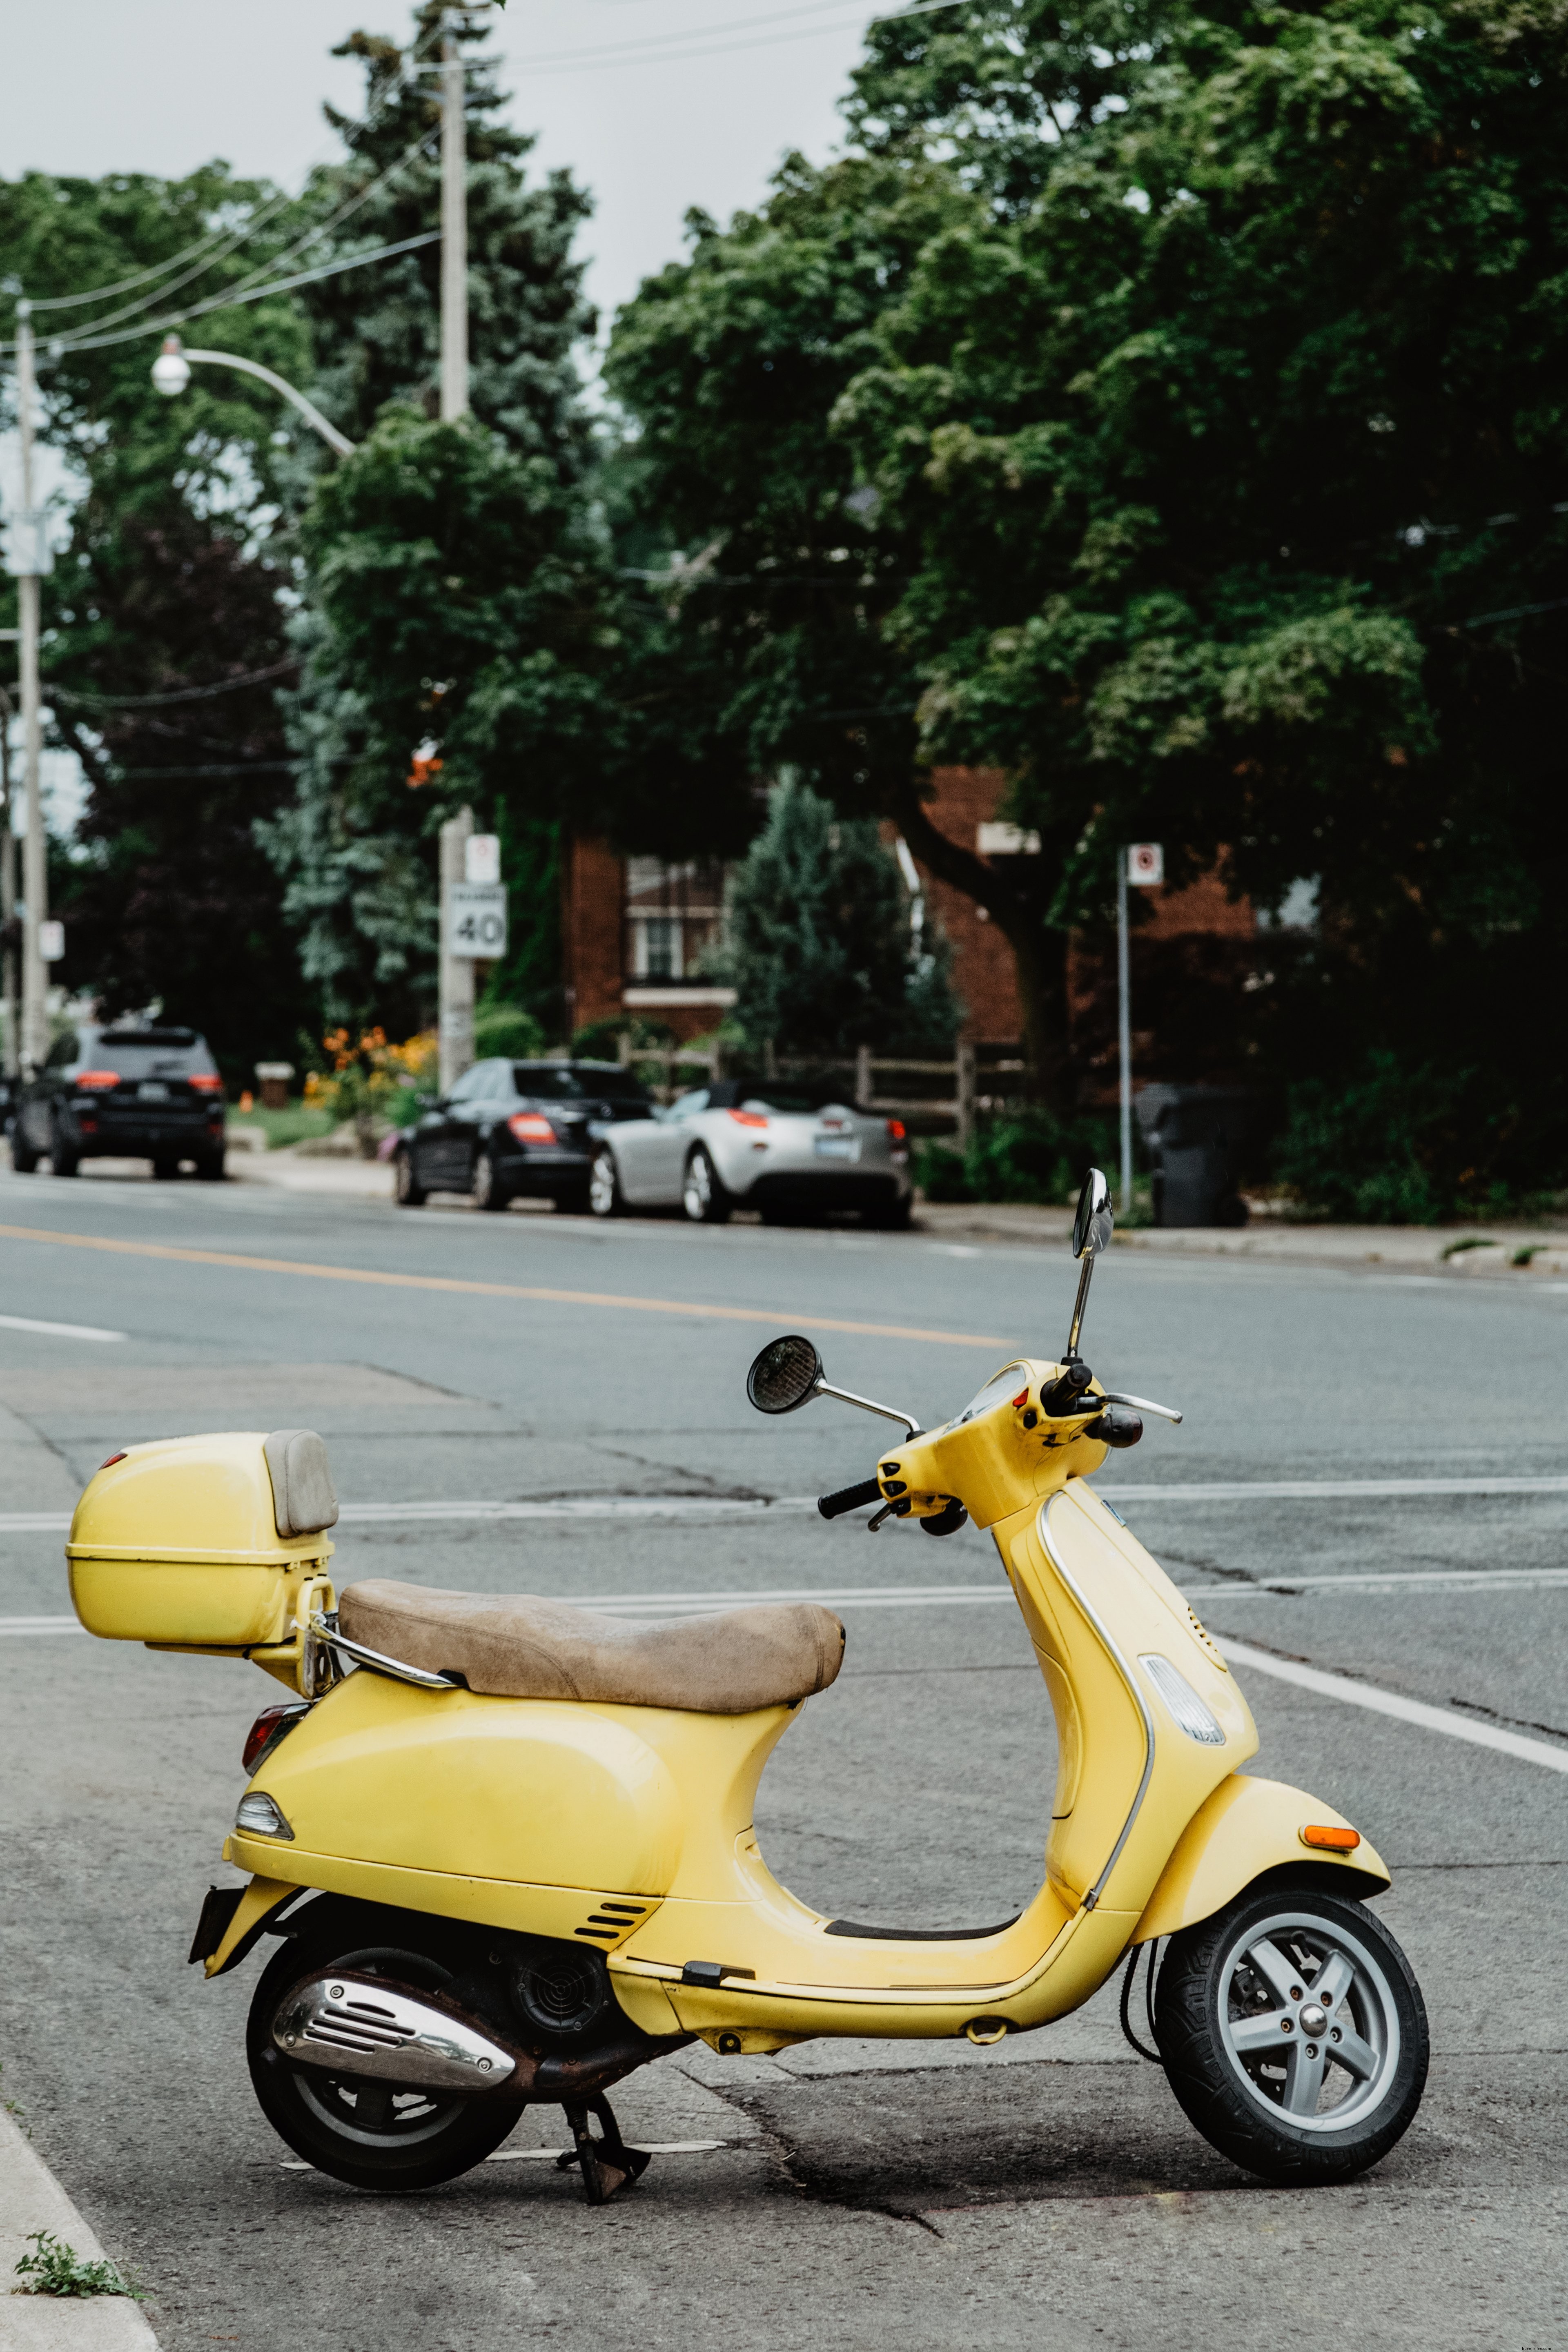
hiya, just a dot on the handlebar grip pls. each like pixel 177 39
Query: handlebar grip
pixel 849 1498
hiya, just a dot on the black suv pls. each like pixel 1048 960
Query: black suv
pixel 128 1092
pixel 511 1127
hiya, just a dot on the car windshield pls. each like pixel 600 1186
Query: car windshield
pixel 148 1053
pixel 578 1082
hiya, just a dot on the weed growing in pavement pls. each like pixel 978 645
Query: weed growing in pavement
pixel 14 2107
pixel 55 2268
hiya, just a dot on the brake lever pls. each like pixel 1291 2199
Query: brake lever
pixel 1142 1404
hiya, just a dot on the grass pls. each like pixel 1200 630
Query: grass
pixel 55 2268
pixel 1471 1242
pixel 282 1128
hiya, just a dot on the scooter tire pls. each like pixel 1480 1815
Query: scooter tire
pixel 1237 2095
pixel 426 2141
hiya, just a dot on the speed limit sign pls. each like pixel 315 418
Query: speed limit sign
pixel 476 918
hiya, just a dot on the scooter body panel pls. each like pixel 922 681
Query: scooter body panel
pixel 1246 1827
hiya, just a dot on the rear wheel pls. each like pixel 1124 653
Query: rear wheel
pixel 891 1217
pixel 371 2134
pixel 62 1158
pixel 210 1168
pixel 489 1192
pixel 406 1190
pixel 1293 2034
pixel 702 1194
pixel 606 1198
pixel 166 1169
pixel 23 1159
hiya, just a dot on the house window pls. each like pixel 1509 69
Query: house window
pixel 674 915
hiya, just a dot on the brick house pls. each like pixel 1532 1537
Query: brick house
pixel 634 930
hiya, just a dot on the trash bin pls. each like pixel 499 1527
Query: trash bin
pixel 1193 1136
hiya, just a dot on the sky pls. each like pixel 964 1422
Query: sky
pixel 98 85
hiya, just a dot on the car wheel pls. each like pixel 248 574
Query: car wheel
pixel 23 1159
pixel 489 1192
pixel 62 1158
pixel 606 1198
pixel 210 1168
pixel 165 1171
pixel 891 1217
pixel 702 1194
pixel 405 1191
pixel 573 1199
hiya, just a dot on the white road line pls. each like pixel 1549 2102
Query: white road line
pixel 1312 1490
pixel 1406 1711
pixel 56 1330
pixel 675 1507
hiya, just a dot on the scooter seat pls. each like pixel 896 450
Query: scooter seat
pixel 511 1646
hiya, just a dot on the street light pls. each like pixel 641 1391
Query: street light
pixel 172 374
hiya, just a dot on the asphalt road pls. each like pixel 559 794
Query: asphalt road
pixel 1048 2194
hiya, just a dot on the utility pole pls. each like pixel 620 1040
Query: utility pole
pixel 9 990
pixel 454 229
pixel 1144 864
pixel 457 970
pixel 28 561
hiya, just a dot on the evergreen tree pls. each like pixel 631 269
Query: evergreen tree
pixel 820 948
pixel 355 848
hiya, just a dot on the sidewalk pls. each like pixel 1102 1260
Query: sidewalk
pixel 32 2199
pixel 1487 1251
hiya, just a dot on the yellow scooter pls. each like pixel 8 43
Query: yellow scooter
pixel 505 1847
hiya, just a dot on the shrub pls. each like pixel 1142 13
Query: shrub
pixel 1025 1156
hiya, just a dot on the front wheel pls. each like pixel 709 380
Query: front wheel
pixel 1293 2034
pixel 606 1198
pixel 702 1193
pixel 407 1190
pixel 372 2135
pixel 23 1159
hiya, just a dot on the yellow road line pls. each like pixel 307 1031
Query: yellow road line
pixel 496 1289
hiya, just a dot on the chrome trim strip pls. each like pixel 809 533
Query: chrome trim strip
pixel 325 1629
pixel 1043 1527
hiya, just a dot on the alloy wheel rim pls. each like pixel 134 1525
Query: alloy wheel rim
pixel 698 1190
pixel 1308 2021
pixel 601 1185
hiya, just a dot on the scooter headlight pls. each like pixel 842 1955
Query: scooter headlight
pixel 1182 1701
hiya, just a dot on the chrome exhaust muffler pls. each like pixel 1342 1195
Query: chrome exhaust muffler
pixel 365 2025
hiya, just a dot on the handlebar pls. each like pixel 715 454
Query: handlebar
pixel 849 1498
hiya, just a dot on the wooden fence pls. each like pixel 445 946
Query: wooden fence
pixel 970 1088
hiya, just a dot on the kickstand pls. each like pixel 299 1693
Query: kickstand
pixel 606 2163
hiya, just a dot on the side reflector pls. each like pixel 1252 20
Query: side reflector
pixel 748 1119
pixel 896 1129
pixel 111 1458
pixel 1329 1839
pixel 531 1127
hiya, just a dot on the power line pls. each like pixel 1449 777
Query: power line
pixel 653 48
pixel 206 245
pixel 183 694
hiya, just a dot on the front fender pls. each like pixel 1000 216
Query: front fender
pixel 1244 1828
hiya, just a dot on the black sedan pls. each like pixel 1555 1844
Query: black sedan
pixel 510 1129
pixel 128 1092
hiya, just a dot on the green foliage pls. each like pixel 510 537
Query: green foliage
pixel 54 2268
pixel 819 947
pixel 1026 1156
pixel 507 1029
pixel 1393 1146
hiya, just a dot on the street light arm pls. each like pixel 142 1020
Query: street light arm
pixel 334 440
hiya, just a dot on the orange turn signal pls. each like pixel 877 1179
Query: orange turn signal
pixel 1329 1839
pixel 748 1119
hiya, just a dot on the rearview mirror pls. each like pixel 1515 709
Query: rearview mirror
pixel 786 1375
pixel 1095 1220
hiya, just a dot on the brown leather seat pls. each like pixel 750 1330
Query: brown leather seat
pixel 513 1646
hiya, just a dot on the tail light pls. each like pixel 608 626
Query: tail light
pixel 896 1130
pixel 205 1083
pixel 268 1728
pixel 748 1119
pixel 531 1127
pixel 96 1082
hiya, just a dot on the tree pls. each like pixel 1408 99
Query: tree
pixel 819 946
pixel 1181 430
pixel 165 596
pixel 355 849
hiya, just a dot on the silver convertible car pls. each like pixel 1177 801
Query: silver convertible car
pixel 743 1143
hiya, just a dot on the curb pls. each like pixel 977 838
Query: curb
pixel 32 2199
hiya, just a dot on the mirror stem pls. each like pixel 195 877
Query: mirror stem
pixel 1082 1300
pixel 846 1396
